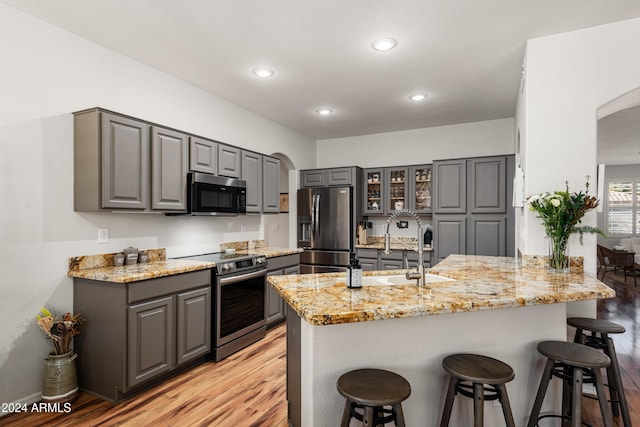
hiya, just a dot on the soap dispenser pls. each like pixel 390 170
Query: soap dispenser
pixel 428 236
pixel 354 273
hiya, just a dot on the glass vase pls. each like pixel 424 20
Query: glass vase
pixel 559 254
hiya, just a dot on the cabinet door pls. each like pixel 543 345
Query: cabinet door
pixel 125 163
pixel 252 174
pixel 450 178
pixel 229 161
pixel 313 178
pixel 169 154
pixel 151 343
pixel 419 197
pixel 450 234
pixel 487 185
pixel 193 337
pixel 294 269
pixel 391 264
pixel 340 176
pixel 369 264
pixel 275 303
pixel 203 155
pixel 374 192
pixel 487 235
pixel 396 189
pixel 270 185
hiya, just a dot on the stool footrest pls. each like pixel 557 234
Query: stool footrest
pixel 490 391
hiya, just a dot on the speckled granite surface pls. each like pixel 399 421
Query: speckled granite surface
pixel 482 283
pixel 100 267
pixel 399 243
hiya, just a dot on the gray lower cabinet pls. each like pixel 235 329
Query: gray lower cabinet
pixel 283 265
pixel 203 155
pixel 137 333
pixel 376 259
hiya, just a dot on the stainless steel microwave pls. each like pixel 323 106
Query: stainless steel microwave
pixel 215 195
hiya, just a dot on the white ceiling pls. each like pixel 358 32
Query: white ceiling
pixel 466 54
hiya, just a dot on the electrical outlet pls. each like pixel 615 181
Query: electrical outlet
pixel 103 235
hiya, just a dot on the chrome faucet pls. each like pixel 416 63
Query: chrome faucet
pixel 411 275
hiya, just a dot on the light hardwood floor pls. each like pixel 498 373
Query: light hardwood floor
pixel 248 388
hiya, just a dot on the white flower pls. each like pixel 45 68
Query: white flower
pixel 555 202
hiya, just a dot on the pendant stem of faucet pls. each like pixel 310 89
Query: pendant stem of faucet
pixel 419 275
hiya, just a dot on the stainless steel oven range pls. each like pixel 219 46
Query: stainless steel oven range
pixel 239 305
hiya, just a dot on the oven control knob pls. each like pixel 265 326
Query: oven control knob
pixel 260 261
pixel 226 267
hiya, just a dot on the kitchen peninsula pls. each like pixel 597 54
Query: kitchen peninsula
pixel 493 306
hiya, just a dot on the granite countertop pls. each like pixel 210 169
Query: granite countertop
pixel 143 271
pixel 101 268
pixel 482 283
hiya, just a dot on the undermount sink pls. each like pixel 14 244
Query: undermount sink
pixel 400 279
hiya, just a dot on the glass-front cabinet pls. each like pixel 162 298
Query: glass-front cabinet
pixel 396 190
pixel 420 188
pixel 374 191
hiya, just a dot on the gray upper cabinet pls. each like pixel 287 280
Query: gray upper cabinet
pixel 252 174
pixel 374 184
pixel 396 189
pixel 313 178
pixel 125 162
pixel 450 177
pixel 169 157
pixel 340 176
pixel 450 235
pixel 419 198
pixel 203 155
pixel 487 187
pixel 270 185
pixel 328 177
pixel 229 161
pixel 111 162
pixel 487 235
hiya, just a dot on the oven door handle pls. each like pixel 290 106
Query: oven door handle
pixel 235 279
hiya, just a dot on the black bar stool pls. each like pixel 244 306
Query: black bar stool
pixel 599 339
pixel 575 364
pixel 481 378
pixel 370 390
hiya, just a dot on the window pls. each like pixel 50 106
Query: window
pixel 623 207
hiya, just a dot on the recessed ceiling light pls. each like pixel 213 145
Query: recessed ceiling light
pixel 263 72
pixel 384 44
pixel 324 111
pixel 418 97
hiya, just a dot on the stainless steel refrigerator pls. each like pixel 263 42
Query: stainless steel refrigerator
pixel 327 219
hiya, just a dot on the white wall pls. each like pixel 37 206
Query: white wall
pixel 417 146
pixel 46 74
pixel 568 76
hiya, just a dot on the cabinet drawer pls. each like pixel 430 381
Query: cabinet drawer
pixel 367 253
pixel 152 288
pixel 393 255
pixel 281 262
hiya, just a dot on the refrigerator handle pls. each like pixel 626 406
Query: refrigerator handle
pixel 317 216
pixel 312 233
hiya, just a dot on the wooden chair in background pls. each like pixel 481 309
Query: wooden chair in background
pixel 610 259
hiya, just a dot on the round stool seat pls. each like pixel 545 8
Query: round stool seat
pixel 477 368
pixel 573 354
pixel 595 325
pixel 373 387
